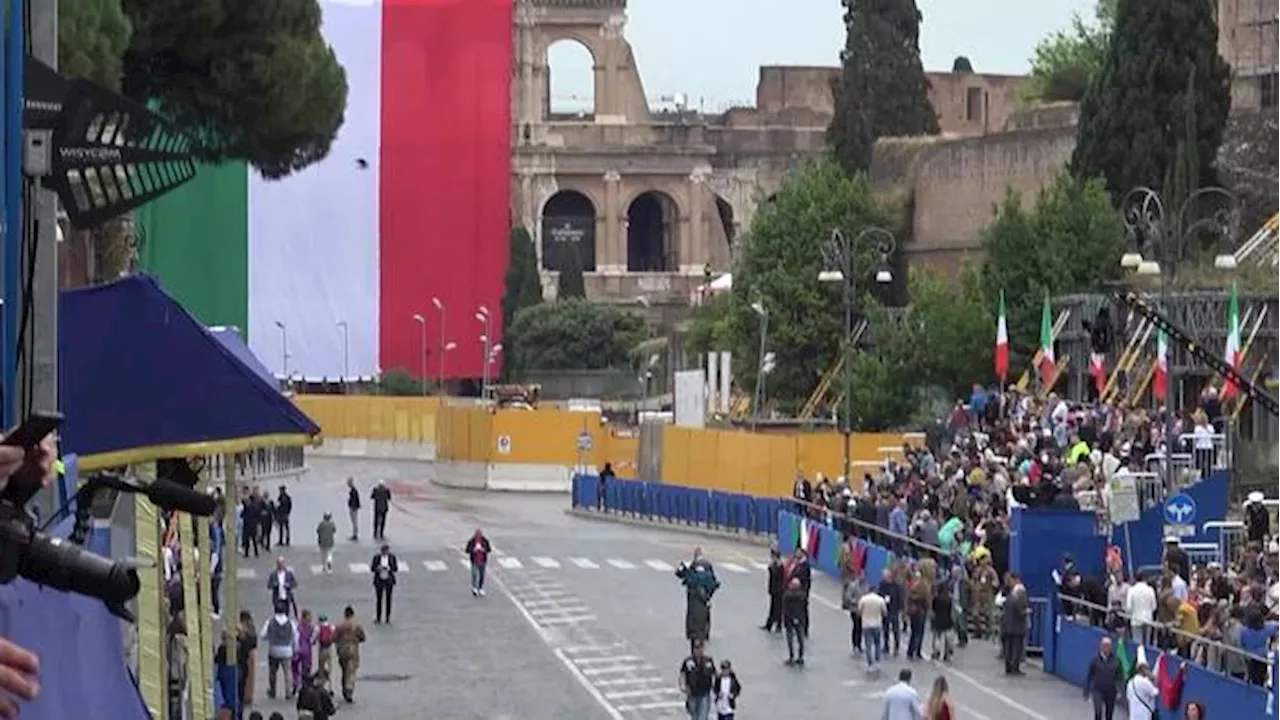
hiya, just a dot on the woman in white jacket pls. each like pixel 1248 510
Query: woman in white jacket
pixel 1142 694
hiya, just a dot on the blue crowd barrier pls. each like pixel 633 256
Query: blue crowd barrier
pixel 711 509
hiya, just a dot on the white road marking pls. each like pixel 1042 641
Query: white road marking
pixel 561 654
pixel 628 681
pixel 971 713
pixel 510 563
pixel 584 563
pixel 246 573
pixel 615 668
pixel 435 565
pixel 531 604
pixel 579 609
pixel 621 564
pixel 733 567
pixel 465 562
pixel 359 568
pixel 317 569
pixel 580 649
pixel 572 619
pixel 659 565
pixel 607 660
pixel 404 568
pixel 651 706
pixel 624 694
pixel 545 562
pixel 760 564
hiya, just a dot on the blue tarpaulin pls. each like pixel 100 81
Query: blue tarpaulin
pixel 80 646
pixel 140 379
pixel 231 340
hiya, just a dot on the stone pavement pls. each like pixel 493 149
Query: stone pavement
pixel 583 619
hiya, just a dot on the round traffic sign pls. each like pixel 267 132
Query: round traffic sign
pixel 584 442
pixel 504 444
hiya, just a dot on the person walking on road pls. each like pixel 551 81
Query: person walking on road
pixel 697 682
pixel 939 705
pixel 477 550
pixel 727 690
pixel 381 497
pixel 1103 680
pixel 874 611
pixel 384 567
pixel 901 701
pixel 775 587
pixel 282 583
pixel 353 508
pixel 1013 628
pixel 1142 694
pixel 284 508
pixel 281 635
pixel 347 637
pixel 326 533
pixel 700 584
pixel 795 606
pixel 325 633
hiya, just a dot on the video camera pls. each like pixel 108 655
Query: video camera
pixel 47 560
pixel 63 564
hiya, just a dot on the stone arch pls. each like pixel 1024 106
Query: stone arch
pixel 654 221
pixel 570 81
pixel 568 221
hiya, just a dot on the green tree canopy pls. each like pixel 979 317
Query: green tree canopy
pixel 570 283
pixel 708 327
pixel 1132 116
pixel 1071 240
pixel 780 262
pixel 92 38
pixel 254 81
pixel 882 90
pixel 1064 63
pixel 572 335
pixel 522 286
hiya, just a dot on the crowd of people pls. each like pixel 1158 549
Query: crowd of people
pixel 943 509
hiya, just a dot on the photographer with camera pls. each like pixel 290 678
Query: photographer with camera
pixel 19 668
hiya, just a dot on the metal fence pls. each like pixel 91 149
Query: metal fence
pixel 1207 652
pixel 261 463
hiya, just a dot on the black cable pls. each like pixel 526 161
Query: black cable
pixel 26 309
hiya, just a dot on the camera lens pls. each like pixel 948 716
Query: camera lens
pixel 66 566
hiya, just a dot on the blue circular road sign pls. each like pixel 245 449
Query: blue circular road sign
pixel 1180 509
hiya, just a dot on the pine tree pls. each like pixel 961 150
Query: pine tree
pixel 882 90
pixel 1133 114
pixel 570 283
pixel 523 284
pixel 1183 176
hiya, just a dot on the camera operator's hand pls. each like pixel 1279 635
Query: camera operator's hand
pixel 12 459
pixel 18 670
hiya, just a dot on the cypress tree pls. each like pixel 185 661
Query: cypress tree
pixel 523 283
pixel 570 284
pixel 882 90
pixel 1133 114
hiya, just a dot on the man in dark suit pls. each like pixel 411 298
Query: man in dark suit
pixel 776 587
pixel 384 567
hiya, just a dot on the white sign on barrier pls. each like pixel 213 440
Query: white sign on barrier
pixel 504 444
pixel 1124 499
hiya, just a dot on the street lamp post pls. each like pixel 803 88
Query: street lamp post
pixel 484 317
pixel 1147 228
pixel 422 349
pixel 440 378
pixel 840 257
pixel 346 352
pixel 758 400
pixel 284 351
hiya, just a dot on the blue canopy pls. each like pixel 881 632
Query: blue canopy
pixel 141 380
pixel 82 666
pixel 231 340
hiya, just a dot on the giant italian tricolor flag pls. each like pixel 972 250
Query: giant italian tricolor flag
pixel 325 270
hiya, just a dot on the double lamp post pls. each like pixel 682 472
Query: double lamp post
pixel 1148 231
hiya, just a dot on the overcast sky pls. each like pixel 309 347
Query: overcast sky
pixel 711 49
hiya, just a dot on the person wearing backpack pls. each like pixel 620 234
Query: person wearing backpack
pixel 281 635
pixel 854 589
pixel 324 644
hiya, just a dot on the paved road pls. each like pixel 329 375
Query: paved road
pixel 584 619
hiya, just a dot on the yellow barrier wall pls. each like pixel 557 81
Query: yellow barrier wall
pixel 533 437
pixel 761 464
pixel 373 417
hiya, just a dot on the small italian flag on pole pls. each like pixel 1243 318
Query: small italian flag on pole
pixel 1002 343
pixel 1160 380
pixel 1233 355
pixel 1047 364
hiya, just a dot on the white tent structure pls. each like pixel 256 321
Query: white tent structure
pixel 722 284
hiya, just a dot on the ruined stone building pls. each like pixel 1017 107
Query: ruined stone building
pixel 654 197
